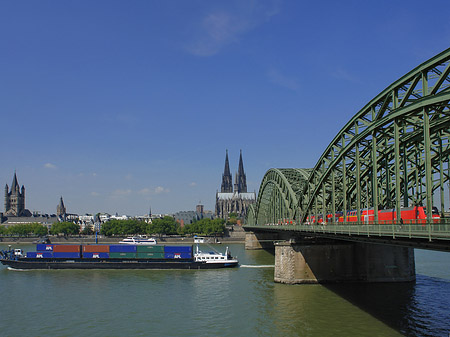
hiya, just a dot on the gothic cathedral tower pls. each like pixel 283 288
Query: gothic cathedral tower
pixel 235 201
pixel 240 183
pixel 227 184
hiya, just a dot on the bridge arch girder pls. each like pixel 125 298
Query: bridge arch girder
pixel 278 197
pixel 391 154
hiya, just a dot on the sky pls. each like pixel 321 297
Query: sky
pixel 123 106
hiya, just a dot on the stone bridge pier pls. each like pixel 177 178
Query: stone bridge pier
pixel 297 263
pixel 260 240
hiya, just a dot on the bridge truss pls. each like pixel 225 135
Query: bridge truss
pixel 393 153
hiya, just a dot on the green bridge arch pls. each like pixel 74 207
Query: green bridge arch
pixel 393 153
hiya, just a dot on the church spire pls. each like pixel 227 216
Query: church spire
pixel 241 180
pixel 15 184
pixel 61 209
pixel 227 184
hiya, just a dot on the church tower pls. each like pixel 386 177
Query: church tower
pixel 14 199
pixel 61 209
pixel 227 184
pixel 240 184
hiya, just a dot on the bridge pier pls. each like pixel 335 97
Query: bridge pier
pixel 261 240
pixel 297 263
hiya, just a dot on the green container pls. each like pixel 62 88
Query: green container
pixel 122 255
pixel 150 249
pixel 150 255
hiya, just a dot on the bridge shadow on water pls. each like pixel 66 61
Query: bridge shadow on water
pixel 419 308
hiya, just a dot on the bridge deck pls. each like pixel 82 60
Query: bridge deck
pixel 428 236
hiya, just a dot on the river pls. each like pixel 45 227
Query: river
pixel 234 302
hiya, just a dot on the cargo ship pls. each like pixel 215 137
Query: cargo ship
pixel 58 256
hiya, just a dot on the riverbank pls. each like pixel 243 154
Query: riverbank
pixel 90 239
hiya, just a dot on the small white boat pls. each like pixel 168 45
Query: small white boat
pixel 199 239
pixel 215 257
pixel 139 240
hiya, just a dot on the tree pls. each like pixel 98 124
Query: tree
pixel 87 230
pixel 206 227
pixel 166 225
pixel 123 227
pixel 39 230
pixel 66 228
pixel 232 219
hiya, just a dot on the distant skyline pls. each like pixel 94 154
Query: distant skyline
pixel 119 106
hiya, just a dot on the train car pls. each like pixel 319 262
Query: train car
pixel 412 215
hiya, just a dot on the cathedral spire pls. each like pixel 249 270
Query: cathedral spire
pixel 241 180
pixel 227 184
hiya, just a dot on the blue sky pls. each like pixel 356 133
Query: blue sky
pixel 122 105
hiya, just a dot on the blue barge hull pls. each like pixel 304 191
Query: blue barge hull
pixel 83 263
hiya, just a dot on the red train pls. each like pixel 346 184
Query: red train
pixel 416 214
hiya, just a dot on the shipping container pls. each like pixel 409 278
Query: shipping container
pixel 99 255
pixel 42 247
pixel 67 248
pixel 150 255
pixel 177 249
pixel 178 255
pixel 96 249
pixel 123 255
pixel 39 254
pixel 66 255
pixel 153 249
pixel 122 249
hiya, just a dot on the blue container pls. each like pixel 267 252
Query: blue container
pixel 96 255
pixel 122 248
pixel 64 255
pixel 39 254
pixel 177 249
pixel 42 247
pixel 177 256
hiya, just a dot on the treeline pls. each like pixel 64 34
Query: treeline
pixel 164 226
pixel 29 229
pixel 205 227
pixel 36 229
pixel 65 228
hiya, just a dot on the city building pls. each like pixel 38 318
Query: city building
pixel 188 217
pixel 233 201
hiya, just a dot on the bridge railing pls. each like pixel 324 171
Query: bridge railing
pixel 438 229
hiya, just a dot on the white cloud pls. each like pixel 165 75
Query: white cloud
pixel 129 177
pixel 120 193
pixel 342 74
pixel 144 191
pixel 95 194
pixel 282 80
pixel 220 28
pixel 50 166
pixel 193 184
pixel 160 189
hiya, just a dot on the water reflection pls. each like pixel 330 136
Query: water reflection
pixel 412 308
pixel 315 310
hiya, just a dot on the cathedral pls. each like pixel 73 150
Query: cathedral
pixel 15 200
pixel 233 201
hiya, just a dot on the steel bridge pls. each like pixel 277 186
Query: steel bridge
pixel 393 154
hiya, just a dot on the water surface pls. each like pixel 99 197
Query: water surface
pixel 233 302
